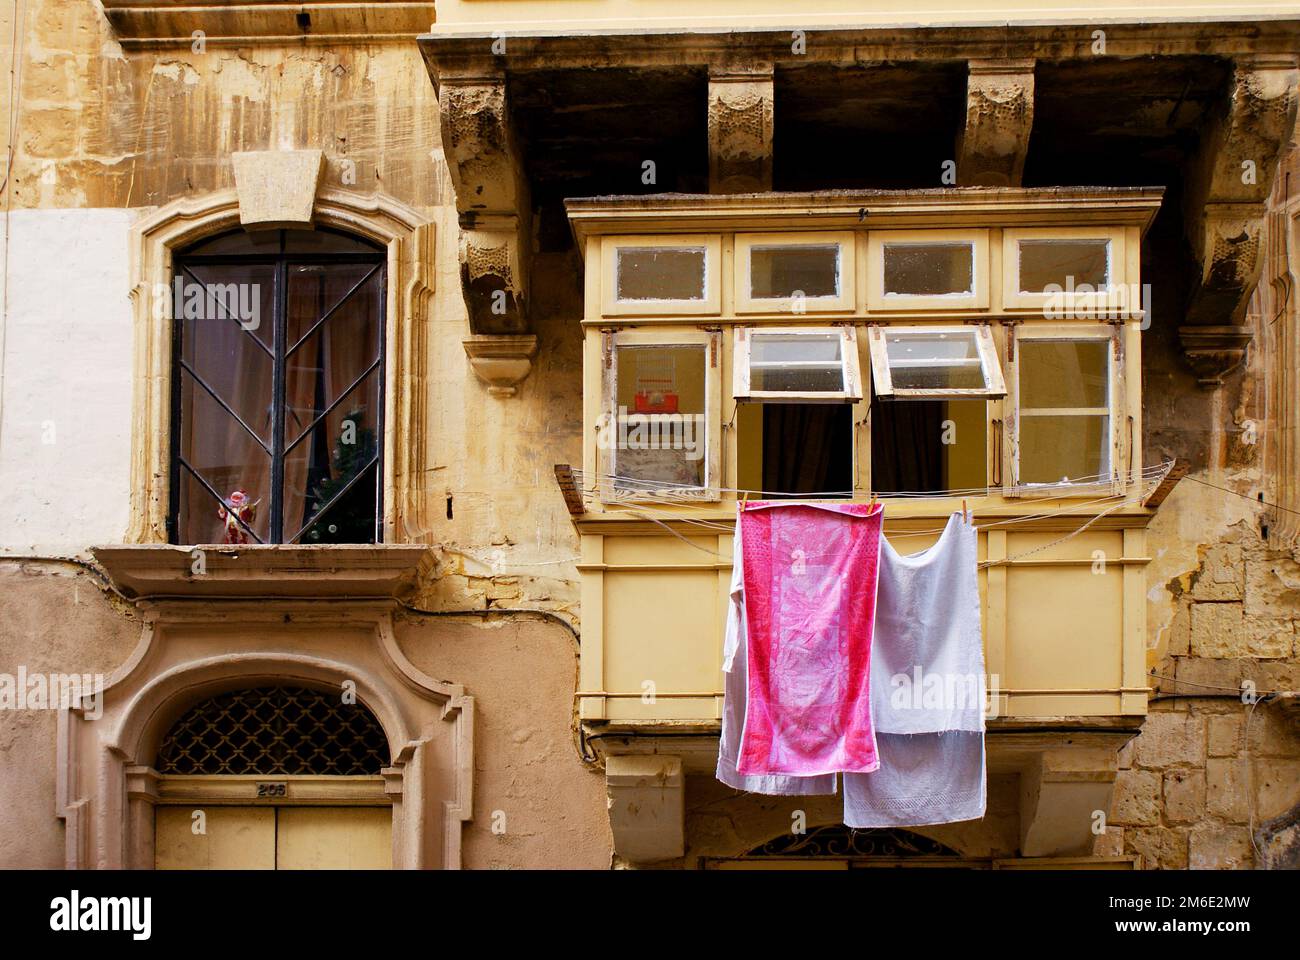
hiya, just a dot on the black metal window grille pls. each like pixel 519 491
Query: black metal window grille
pixel 277 400
pixel 275 731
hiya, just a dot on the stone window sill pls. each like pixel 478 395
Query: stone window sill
pixel 350 571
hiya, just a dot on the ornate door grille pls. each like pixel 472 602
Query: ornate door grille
pixel 285 731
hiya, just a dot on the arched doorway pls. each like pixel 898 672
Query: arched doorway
pixel 273 777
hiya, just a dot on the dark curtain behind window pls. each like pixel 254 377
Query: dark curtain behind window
pixel 906 445
pixel 808 448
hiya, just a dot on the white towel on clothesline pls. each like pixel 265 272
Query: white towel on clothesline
pixel 927 688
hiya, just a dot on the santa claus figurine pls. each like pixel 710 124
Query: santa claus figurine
pixel 236 508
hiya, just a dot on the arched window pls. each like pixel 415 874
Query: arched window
pixel 278 373
pixel 275 731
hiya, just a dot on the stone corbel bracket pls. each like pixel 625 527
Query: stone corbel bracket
pixel 993 144
pixel 741 123
pixel 501 362
pixel 491 199
pixel 1226 204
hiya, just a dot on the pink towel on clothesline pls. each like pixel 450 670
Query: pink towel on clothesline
pixel 810 600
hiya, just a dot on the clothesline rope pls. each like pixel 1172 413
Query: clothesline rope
pixel 1151 477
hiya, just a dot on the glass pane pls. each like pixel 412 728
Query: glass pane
pixel 1057 449
pixel 796 362
pixel 778 272
pixel 1066 263
pixel 238 243
pixel 330 360
pixel 1063 373
pixel 337 449
pixel 934 361
pixel 230 460
pixel 316 289
pixel 210 299
pixel 660 273
pixel 352 517
pixel 660 434
pixel 929 269
pixel 325 241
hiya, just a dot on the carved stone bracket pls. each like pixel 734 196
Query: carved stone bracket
pixel 646 800
pixel 991 148
pixel 1214 352
pixel 740 129
pixel 502 362
pixel 492 200
pixel 1229 186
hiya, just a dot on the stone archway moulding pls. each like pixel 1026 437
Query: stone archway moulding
pixel 106 784
pixel 409 240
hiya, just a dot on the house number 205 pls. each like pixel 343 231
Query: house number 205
pixel 270 789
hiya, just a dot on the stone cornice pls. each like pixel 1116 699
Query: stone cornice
pixel 162 23
pixel 453 49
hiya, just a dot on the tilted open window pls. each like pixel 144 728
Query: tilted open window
pixel 935 361
pixel 797 365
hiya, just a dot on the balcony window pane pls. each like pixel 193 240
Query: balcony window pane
pixel 928 269
pixel 796 362
pixel 660 273
pixel 1064 263
pixel 659 436
pixel 934 361
pixel 1065 427
pixel 1063 373
pixel 777 272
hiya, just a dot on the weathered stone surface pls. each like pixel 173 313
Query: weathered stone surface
pixel 1110 843
pixel 1217 630
pixel 1215 847
pixel 1277 786
pixel 1270 731
pixel 1159 847
pixel 1227 790
pixel 1224 736
pixel 1268 639
pixel 1170 738
pixel 1222 574
pixel 1272 587
pixel 1184 794
pixel 1180 631
pixel 1137 798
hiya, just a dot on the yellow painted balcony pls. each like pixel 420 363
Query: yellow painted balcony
pixel 1063 611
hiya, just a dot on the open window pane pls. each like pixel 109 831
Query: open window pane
pixel 659 439
pixel 779 272
pixel 1066 264
pixel 796 364
pixel 660 273
pixel 935 362
pixel 929 269
pixel 796 449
